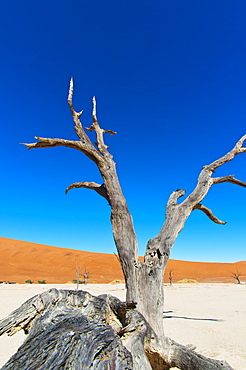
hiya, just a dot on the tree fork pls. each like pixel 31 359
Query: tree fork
pixel 144 280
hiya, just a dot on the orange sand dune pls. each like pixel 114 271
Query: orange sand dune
pixel 21 261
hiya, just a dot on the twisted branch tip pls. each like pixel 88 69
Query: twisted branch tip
pixel 94 108
pixel 70 91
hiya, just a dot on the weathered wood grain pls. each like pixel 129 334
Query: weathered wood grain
pixel 77 331
pixel 144 280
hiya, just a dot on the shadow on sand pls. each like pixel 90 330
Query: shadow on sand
pixel 185 317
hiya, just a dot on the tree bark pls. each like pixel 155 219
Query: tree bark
pixel 144 280
pixel 75 330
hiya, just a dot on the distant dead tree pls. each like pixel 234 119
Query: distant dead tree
pixel 170 277
pixel 133 337
pixel 236 275
pixel 86 275
pixel 78 274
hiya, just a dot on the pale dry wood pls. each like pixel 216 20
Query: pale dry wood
pixel 69 330
pixel 122 224
pixel 144 280
pixel 100 189
pixel 230 178
pixel 77 331
pixel 209 213
pixel 99 131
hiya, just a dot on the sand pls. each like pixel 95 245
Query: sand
pixel 210 316
pixel 21 261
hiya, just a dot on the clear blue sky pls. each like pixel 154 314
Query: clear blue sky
pixel 170 78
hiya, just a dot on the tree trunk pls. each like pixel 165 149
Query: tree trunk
pixel 75 330
pixel 142 330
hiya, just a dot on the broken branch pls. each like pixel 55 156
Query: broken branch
pixel 230 178
pixel 48 143
pixel 209 213
pixel 102 147
pixel 42 142
pixel 172 201
pixel 100 189
pixel 76 119
pixel 237 149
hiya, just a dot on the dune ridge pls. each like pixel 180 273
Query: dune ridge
pixel 21 261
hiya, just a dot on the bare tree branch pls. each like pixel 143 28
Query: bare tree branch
pixel 237 149
pixel 172 201
pixel 84 144
pixel 230 178
pixel 205 179
pixel 209 213
pixel 144 280
pixel 100 189
pixel 48 143
pixel 70 93
pixel 122 223
pixel 236 275
pixel 76 118
pixel 102 147
pixel 42 142
pixel 158 248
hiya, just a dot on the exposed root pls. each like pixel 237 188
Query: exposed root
pixel 73 329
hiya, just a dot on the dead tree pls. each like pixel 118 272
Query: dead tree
pixel 146 343
pixel 170 276
pixel 86 275
pixel 78 274
pixel 236 275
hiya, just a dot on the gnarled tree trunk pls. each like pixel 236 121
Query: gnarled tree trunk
pixel 75 330
pixel 141 329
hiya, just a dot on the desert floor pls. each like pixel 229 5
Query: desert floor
pixel 210 316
